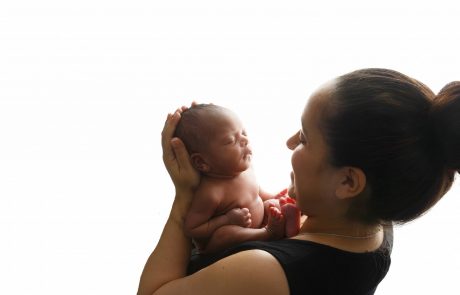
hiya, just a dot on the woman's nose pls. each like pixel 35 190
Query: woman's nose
pixel 293 141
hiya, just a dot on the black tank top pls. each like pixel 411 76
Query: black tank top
pixel 313 268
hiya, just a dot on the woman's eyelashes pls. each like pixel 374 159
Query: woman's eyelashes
pixel 302 139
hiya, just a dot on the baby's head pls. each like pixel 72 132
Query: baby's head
pixel 215 139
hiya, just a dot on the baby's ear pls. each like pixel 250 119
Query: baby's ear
pixel 199 163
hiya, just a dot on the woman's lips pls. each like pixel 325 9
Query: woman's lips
pixel 291 191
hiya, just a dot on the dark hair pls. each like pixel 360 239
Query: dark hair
pixel 404 137
pixel 193 129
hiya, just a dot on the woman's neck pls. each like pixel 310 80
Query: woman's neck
pixel 339 227
pixel 342 234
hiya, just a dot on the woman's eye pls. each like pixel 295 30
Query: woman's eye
pixel 302 139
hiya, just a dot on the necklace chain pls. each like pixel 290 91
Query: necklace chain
pixel 339 235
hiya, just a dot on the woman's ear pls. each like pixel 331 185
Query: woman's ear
pixel 352 182
pixel 199 163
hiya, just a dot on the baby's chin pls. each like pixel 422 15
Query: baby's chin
pixel 247 158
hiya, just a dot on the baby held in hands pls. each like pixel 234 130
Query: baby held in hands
pixel 228 206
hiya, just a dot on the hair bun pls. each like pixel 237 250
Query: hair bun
pixel 446 119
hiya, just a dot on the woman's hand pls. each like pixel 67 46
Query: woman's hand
pixel 176 158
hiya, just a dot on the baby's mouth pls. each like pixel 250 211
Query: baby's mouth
pixel 247 156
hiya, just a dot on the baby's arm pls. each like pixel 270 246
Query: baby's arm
pixel 267 196
pixel 200 223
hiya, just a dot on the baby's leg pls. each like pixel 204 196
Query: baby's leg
pixel 276 224
pixel 267 205
pixel 291 214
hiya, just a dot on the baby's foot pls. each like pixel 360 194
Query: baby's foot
pixel 276 224
pixel 239 216
pixel 286 200
pixel 292 215
pixel 267 204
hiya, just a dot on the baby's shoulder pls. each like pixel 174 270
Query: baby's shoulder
pixel 210 190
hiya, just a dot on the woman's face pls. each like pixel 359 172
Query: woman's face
pixel 312 176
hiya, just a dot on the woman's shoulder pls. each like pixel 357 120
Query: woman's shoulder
pixel 306 264
pixel 254 270
pixel 292 249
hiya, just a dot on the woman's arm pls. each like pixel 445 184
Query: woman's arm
pixel 247 272
pixel 170 258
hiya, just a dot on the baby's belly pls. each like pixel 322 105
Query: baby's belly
pixel 257 212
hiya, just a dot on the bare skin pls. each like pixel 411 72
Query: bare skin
pixel 233 203
pixel 165 269
pixel 325 192
pixel 228 206
pixel 320 192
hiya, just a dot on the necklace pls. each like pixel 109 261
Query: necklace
pixel 339 235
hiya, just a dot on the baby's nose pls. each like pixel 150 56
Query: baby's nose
pixel 244 141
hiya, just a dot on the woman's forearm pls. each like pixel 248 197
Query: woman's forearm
pixel 170 257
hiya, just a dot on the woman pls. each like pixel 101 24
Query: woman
pixel 374 147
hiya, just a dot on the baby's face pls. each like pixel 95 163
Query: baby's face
pixel 228 152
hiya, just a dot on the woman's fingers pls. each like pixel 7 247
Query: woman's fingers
pixel 167 135
pixel 176 157
pixel 181 154
pixel 188 175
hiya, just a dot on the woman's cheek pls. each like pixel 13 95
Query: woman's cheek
pixel 291 191
pixel 295 163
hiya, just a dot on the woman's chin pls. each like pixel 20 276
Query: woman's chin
pixel 291 192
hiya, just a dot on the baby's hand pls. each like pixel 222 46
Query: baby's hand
pixel 281 193
pixel 239 216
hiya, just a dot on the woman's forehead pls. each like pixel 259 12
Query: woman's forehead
pixel 315 107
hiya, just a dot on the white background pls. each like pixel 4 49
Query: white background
pixel 85 87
